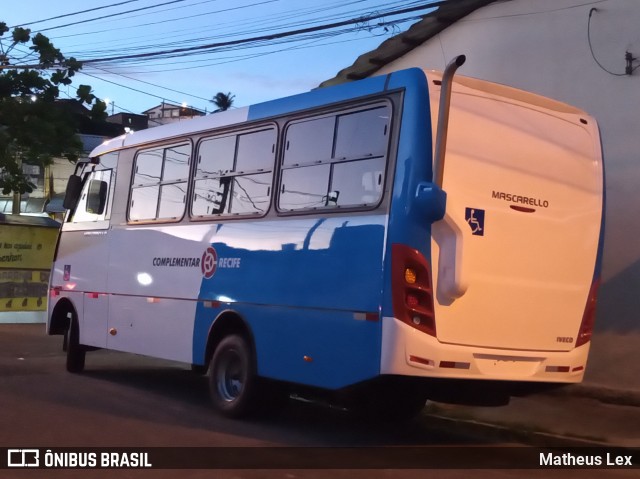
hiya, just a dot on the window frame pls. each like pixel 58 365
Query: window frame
pixel 336 114
pixel 176 143
pixel 271 126
pixel 279 125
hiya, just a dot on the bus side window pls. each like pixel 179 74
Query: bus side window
pixel 159 188
pixel 309 141
pixel 234 173
pixel 359 182
pixel 97 196
pixel 304 187
pixel 251 188
pixel 363 134
pixel 352 175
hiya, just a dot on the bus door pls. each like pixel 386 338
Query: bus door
pixel 83 256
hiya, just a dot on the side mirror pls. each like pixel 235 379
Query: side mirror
pixel 97 197
pixel 72 193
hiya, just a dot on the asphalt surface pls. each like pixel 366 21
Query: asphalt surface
pixel 125 400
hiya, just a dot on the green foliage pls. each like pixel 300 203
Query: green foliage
pixel 21 35
pixel 99 109
pixel 85 94
pixel 34 129
pixel 223 101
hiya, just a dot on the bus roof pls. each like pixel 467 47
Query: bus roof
pixel 300 102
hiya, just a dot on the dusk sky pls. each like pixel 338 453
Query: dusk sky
pixel 253 72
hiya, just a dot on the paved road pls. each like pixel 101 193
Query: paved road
pixel 130 401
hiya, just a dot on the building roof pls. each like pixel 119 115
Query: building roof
pixel 395 47
pixel 184 110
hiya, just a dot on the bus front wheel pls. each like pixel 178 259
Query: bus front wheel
pixel 232 377
pixel 75 351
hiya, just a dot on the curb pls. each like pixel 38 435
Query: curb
pixel 467 423
pixel 497 433
pixel 618 397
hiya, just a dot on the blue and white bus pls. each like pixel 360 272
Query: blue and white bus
pixel 307 243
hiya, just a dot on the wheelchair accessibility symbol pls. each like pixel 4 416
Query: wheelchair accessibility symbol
pixel 475 219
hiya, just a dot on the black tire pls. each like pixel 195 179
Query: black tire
pixel 75 351
pixel 199 369
pixel 232 378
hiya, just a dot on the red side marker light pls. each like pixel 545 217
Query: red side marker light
pixel 419 360
pixel 454 365
pixel 557 369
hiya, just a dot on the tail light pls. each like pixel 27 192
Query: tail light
pixel 411 288
pixel 589 317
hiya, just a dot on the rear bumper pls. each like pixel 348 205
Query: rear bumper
pixel 409 352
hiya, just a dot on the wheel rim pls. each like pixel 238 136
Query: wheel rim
pixel 230 376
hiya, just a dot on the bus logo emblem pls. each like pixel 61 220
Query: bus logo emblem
pixel 209 262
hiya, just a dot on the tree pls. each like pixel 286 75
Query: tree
pixel 222 101
pixel 33 128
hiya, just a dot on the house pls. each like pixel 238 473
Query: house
pixel 132 121
pixel 167 112
pixel 582 53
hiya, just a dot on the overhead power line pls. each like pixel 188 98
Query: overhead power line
pixel 128 87
pixel 112 15
pixel 145 82
pixel 199 15
pixel 277 37
pixel 76 13
pixel 262 20
pixel 267 37
pixel 266 23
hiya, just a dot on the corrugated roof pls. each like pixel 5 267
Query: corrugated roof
pixel 395 47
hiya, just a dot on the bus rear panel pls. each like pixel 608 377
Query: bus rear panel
pixel 515 262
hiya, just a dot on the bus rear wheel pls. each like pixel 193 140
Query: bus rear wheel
pixel 232 377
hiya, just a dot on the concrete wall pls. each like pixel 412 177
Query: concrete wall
pixel 543 46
